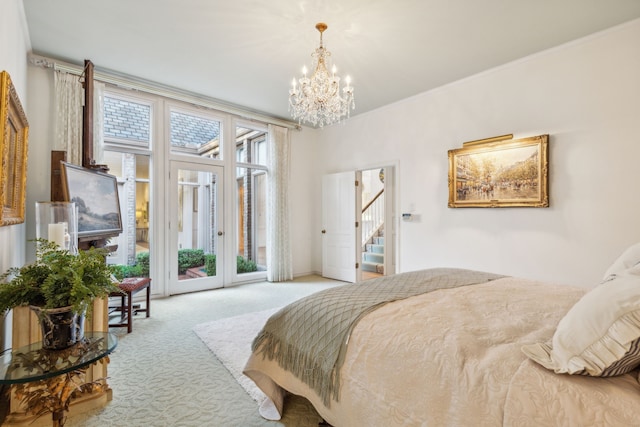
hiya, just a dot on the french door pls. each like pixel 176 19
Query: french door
pixel 195 227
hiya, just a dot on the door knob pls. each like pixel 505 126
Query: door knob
pixel 324 231
pixel 220 233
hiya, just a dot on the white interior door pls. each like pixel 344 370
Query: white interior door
pixel 339 231
pixel 196 231
pixel 390 220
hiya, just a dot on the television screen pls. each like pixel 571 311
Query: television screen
pixel 96 196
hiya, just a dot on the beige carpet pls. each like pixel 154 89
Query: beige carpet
pixel 163 375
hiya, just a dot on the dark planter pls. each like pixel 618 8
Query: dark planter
pixel 61 327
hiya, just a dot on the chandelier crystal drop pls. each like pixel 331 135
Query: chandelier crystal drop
pixel 317 99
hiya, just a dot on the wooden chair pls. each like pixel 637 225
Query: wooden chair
pixel 129 287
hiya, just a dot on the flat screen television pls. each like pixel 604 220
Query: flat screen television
pixel 96 196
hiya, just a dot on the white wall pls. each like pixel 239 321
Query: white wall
pixel 14 45
pixel 41 117
pixel 584 94
pixel 305 213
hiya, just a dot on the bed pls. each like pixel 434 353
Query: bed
pixel 470 348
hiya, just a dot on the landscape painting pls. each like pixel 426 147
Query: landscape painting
pixel 512 173
pixel 96 196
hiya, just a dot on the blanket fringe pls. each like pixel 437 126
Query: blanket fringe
pixel 304 367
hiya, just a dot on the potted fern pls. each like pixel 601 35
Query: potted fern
pixel 60 288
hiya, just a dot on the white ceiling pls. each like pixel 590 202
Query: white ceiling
pixel 246 52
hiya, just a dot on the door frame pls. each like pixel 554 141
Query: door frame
pixel 391 244
pixel 389 217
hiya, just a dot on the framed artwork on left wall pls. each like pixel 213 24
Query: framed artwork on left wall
pixel 13 154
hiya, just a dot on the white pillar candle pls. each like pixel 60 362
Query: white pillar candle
pixel 56 233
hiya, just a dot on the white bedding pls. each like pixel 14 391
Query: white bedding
pixel 452 358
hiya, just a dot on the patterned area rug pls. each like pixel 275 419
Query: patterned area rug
pixel 230 341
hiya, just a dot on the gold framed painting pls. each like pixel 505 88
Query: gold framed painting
pixel 13 153
pixel 502 173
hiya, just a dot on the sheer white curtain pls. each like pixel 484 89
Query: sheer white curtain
pixel 279 264
pixel 98 122
pixel 68 109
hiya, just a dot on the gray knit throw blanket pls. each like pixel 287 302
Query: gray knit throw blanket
pixel 309 337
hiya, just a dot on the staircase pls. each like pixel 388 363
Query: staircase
pixel 373 235
pixel 373 254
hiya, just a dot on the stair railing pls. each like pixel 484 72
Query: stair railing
pixel 372 217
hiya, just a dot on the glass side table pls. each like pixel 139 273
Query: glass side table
pixel 46 380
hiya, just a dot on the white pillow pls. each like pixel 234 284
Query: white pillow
pixel 599 335
pixel 629 259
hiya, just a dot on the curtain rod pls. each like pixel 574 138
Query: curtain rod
pixel 125 81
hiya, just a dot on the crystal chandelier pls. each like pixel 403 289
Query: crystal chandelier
pixel 317 99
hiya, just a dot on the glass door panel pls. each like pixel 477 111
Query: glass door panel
pixel 195 227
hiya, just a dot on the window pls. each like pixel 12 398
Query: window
pixel 132 123
pixel 132 172
pixel 251 190
pixel 194 135
pixel 127 137
pixel 127 122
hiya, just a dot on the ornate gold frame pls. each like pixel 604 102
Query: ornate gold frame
pixel 500 172
pixel 13 154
